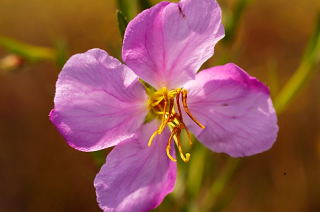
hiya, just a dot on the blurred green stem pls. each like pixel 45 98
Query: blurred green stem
pixel 127 7
pixel 196 167
pixel 33 54
pixel 221 181
pixel 62 53
pixel 304 72
pixel 233 20
pixel 144 4
pixel 122 22
pixel 28 52
pixel 99 157
pixel 272 67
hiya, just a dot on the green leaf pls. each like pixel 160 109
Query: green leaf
pixel 122 22
pixel 149 88
pixel 144 4
pixel 149 117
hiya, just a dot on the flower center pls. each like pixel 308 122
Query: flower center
pixel 165 104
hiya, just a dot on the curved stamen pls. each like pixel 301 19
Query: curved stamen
pixel 180 114
pixel 168 148
pixel 152 137
pixel 162 103
pixel 185 106
pixel 170 112
pixel 186 157
pixel 165 98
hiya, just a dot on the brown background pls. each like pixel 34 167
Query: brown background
pixel 39 172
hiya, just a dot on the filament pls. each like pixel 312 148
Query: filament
pixel 185 106
pixel 168 148
pixel 186 157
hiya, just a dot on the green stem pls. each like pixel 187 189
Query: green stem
pixel 232 21
pixel 127 7
pixel 219 184
pixel 304 72
pixel 196 167
pixel 144 4
pixel 29 52
pixel 122 22
pixel 295 84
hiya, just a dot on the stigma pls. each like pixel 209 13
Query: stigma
pixel 165 105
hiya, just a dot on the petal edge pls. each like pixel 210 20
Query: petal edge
pixel 235 108
pixel 98 102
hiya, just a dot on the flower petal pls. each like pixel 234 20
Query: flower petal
pixel 136 177
pixel 236 110
pixel 166 44
pixel 98 103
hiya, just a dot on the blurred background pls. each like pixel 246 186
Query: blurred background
pixel 40 172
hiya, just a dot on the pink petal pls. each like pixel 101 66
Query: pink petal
pixel 167 44
pixel 136 177
pixel 236 110
pixel 98 103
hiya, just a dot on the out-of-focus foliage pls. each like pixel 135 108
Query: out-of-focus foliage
pixel 209 182
pixel 232 19
pixel 307 67
pixel 32 54
pixel 29 52
pixel 122 22
pixel 144 4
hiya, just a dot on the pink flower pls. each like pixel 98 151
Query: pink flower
pixel 100 103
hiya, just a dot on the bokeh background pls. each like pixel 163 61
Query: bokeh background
pixel 40 172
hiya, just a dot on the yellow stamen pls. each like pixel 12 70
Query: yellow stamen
pixel 186 157
pixel 162 104
pixel 171 104
pixel 152 137
pixel 157 102
pixel 168 148
pixel 185 106
pixel 165 98
pixel 180 114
